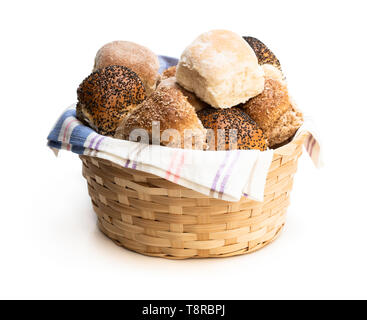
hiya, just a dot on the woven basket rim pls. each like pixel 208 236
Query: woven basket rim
pixel 289 147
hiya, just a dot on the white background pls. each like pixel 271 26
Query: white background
pixel 49 244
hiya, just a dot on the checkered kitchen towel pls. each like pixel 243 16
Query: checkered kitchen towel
pixel 226 175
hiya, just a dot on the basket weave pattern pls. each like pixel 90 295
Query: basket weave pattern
pixel 156 217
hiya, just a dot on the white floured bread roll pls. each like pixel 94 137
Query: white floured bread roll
pixel 191 98
pixel 137 58
pixel 221 69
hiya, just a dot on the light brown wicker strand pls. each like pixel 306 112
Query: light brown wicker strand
pixel 156 217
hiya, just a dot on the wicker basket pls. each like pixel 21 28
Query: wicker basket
pixel 156 217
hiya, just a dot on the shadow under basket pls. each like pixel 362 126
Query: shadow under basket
pixel 156 217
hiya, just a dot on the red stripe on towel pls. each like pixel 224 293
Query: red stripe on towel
pixel 178 170
pixel 168 172
pixel 67 128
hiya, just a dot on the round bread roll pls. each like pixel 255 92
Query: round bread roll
pixel 285 127
pixel 267 107
pixel 221 69
pixel 191 98
pixel 106 96
pixel 170 108
pixel 134 56
pixel 249 135
pixel 169 72
pixel 263 53
pixel 271 109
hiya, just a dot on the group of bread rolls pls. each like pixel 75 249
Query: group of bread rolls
pixel 230 84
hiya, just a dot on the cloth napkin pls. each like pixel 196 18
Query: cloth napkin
pixel 226 175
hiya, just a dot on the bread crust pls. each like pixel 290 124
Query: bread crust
pixel 263 53
pixel 138 58
pixel 271 72
pixel 221 69
pixel 274 112
pixel 249 135
pixel 285 127
pixel 168 106
pixel 191 98
pixel 169 72
pixel 107 95
pixel 267 107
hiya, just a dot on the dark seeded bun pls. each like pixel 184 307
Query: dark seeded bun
pixel 134 56
pixel 170 107
pixel 249 135
pixel 106 97
pixel 263 53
